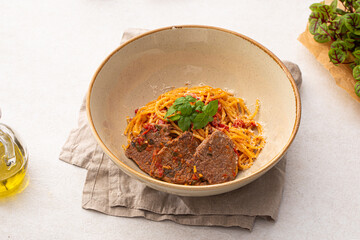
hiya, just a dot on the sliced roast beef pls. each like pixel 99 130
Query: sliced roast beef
pixel 173 163
pixel 150 140
pixel 215 159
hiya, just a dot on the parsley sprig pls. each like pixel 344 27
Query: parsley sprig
pixel 187 110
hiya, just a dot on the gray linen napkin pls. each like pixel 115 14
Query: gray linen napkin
pixel 108 190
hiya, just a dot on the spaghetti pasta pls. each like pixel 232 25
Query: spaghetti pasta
pixel 233 118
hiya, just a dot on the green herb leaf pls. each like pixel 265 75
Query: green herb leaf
pixel 339 44
pixel 353 36
pixel 333 5
pixel 314 25
pixel 356 53
pixel 201 120
pixel 356 5
pixel 199 104
pixel 179 101
pixel 211 108
pixel 193 116
pixel 322 38
pixel 184 123
pixel 324 29
pixel 349 43
pixel 315 6
pixel 326 9
pixel 171 111
pixel 175 118
pixel 190 98
pixel 199 108
pixel 355 63
pixel 352 22
pixel 357 88
pixel 356 72
pixel 339 24
pixel 340 11
pixel 185 109
pixel 318 15
pixel 337 55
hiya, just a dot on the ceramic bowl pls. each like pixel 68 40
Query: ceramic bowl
pixel 142 68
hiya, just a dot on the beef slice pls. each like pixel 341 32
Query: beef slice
pixel 215 159
pixel 173 163
pixel 150 140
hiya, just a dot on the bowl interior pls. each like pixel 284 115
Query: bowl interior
pixel 143 68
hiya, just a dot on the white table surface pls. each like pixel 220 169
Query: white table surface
pixel 49 52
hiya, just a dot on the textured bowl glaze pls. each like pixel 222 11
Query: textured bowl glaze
pixel 144 67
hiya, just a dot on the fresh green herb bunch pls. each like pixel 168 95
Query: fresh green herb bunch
pixel 341 27
pixel 187 110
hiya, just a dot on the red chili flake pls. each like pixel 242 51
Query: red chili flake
pixel 146 131
pixel 234 174
pixel 149 126
pixel 225 175
pixel 253 124
pixel 236 151
pixel 140 140
pixel 220 125
pixel 136 110
pixel 194 177
pixel 216 122
pixel 161 172
pixel 239 123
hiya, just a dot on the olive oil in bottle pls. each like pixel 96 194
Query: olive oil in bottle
pixel 11 178
pixel 13 161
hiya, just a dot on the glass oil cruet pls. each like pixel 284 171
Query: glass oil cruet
pixel 13 160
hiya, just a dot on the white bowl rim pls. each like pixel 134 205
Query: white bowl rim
pixel 146 178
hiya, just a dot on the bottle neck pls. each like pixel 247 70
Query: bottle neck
pixel 8 142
